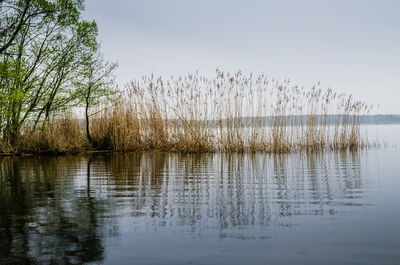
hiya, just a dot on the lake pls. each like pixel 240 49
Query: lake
pixel 333 207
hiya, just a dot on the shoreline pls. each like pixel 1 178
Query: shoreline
pixel 293 151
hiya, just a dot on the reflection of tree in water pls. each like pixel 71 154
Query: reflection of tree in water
pixel 43 217
pixel 232 190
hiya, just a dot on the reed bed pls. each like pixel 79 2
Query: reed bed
pixel 62 135
pixel 232 112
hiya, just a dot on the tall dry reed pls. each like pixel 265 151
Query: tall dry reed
pixel 231 112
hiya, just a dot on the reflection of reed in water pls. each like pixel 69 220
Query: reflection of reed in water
pixel 60 209
pixel 231 190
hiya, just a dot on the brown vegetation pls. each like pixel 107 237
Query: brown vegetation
pixel 231 113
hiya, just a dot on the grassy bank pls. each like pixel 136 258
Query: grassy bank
pixel 230 112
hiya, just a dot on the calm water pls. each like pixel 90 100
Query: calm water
pixel 160 208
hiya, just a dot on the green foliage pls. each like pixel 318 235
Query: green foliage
pixel 46 50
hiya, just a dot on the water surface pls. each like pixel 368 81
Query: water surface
pixel 165 208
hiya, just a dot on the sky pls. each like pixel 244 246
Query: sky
pixel 351 46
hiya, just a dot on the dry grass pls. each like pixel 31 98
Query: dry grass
pixel 230 113
pixel 62 135
pixel 227 113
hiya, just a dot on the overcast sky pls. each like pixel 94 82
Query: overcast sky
pixel 352 46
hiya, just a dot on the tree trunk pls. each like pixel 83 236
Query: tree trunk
pixel 89 137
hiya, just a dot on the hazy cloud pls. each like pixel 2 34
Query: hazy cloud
pixel 349 45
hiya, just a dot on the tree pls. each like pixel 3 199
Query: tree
pixel 16 14
pixel 95 84
pixel 44 46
